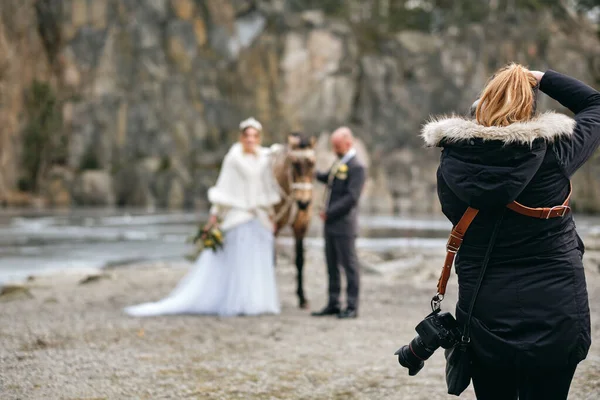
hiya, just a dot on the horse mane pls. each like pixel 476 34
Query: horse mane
pixel 304 140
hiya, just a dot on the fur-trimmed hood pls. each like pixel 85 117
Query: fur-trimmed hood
pixel 548 126
pixel 488 167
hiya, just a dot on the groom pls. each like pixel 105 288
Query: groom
pixel 344 182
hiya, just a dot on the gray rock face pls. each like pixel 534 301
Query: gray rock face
pixel 57 187
pixel 94 188
pixel 152 91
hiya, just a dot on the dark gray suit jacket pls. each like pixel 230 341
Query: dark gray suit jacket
pixel 342 211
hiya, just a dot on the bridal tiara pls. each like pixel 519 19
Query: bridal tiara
pixel 250 123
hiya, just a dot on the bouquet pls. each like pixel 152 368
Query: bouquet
pixel 207 237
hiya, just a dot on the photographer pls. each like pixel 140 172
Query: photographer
pixel 530 321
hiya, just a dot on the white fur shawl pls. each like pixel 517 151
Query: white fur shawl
pixel 246 188
pixel 246 181
pixel 548 126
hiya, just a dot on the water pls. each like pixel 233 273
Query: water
pixel 34 242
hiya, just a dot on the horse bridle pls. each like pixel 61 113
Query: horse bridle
pixel 290 200
pixel 295 155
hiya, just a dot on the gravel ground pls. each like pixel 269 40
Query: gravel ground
pixel 71 341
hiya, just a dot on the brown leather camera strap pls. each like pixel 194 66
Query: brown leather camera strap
pixel 454 243
pixel 458 232
pixel 543 212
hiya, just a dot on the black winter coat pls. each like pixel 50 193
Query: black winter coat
pixel 532 310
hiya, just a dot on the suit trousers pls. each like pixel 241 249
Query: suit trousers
pixel 340 250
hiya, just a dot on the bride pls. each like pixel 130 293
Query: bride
pixel 238 279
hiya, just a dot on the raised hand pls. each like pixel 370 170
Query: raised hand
pixel 538 75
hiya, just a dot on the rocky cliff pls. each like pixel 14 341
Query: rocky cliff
pixel 134 102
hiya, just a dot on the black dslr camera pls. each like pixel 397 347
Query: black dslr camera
pixel 437 329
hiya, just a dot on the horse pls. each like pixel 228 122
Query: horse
pixel 293 168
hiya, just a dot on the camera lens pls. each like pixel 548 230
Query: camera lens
pixel 408 360
pixel 414 355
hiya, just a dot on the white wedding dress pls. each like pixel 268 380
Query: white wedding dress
pixel 238 279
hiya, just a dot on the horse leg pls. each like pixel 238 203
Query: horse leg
pixel 303 303
pixel 277 228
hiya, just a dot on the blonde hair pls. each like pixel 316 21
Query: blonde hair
pixel 508 97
